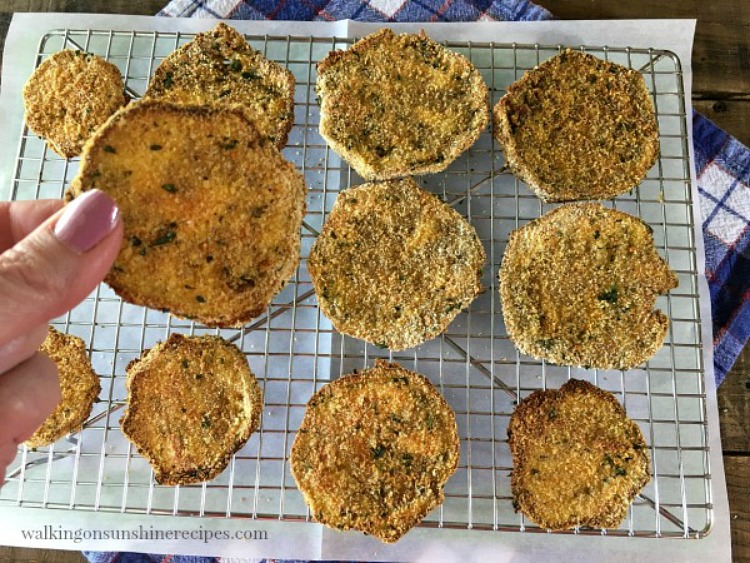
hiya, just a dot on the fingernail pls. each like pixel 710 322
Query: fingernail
pixel 87 220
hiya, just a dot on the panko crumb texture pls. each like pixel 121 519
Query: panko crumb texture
pixel 212 210
pixel 220 68
pixel 578 128
pixel 400 105
pixel 374 451
pixel 69 96
pixel 579 286
pixel 578 460
pixel 394 265
pixel 192 403
pixel 79 387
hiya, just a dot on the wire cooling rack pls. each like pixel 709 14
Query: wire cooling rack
pixel 293 349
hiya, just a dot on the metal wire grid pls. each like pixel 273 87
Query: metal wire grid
pixel 294 351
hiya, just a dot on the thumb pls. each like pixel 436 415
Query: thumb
pixel 56 266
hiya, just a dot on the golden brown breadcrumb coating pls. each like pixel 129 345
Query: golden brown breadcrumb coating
pixel 212 210
pixel 375 450
pixel 577 127
pixel 192 403
pixel 394 265
pixel 79 387
pixel 578 460
pixel 578 287
pixel 399 105
pixel 69 96
pixel 219 68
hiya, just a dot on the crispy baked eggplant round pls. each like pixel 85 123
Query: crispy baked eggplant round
pixel 375 450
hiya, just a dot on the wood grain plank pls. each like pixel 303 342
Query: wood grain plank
pixel 734 408
pixel 716 11
pixel 737 470
pixel 28 555
pixel 4 24
pixel 731 115
pixel 721 61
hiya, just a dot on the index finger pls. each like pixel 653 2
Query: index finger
pixel 19 218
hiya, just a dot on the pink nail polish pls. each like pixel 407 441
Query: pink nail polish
pixel 87 220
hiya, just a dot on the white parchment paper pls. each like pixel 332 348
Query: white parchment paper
pixel 311 541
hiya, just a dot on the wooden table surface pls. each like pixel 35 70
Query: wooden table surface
pixel 721 90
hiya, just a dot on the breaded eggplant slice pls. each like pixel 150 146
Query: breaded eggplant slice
pixel 577 127
pixel 192 403
pixel 578 460
pixel 579 286
pixel 219 68
pixel 375 450
pixel 394 265
pixel 400 105
pixel 69 96
pixel 212 210
pixel 79 387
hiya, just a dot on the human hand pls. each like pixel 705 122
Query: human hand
pixel 51 259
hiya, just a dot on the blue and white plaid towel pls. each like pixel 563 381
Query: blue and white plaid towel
pixel 361 10
pixel 723 165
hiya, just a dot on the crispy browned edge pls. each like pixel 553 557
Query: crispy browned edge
pixel 523 421
pixel 264 63
pixel 141 440
pixel 502 133
pixel 516 332
pixel 84 408
pixel 241 318
pixel 364 44
pixel 355 378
